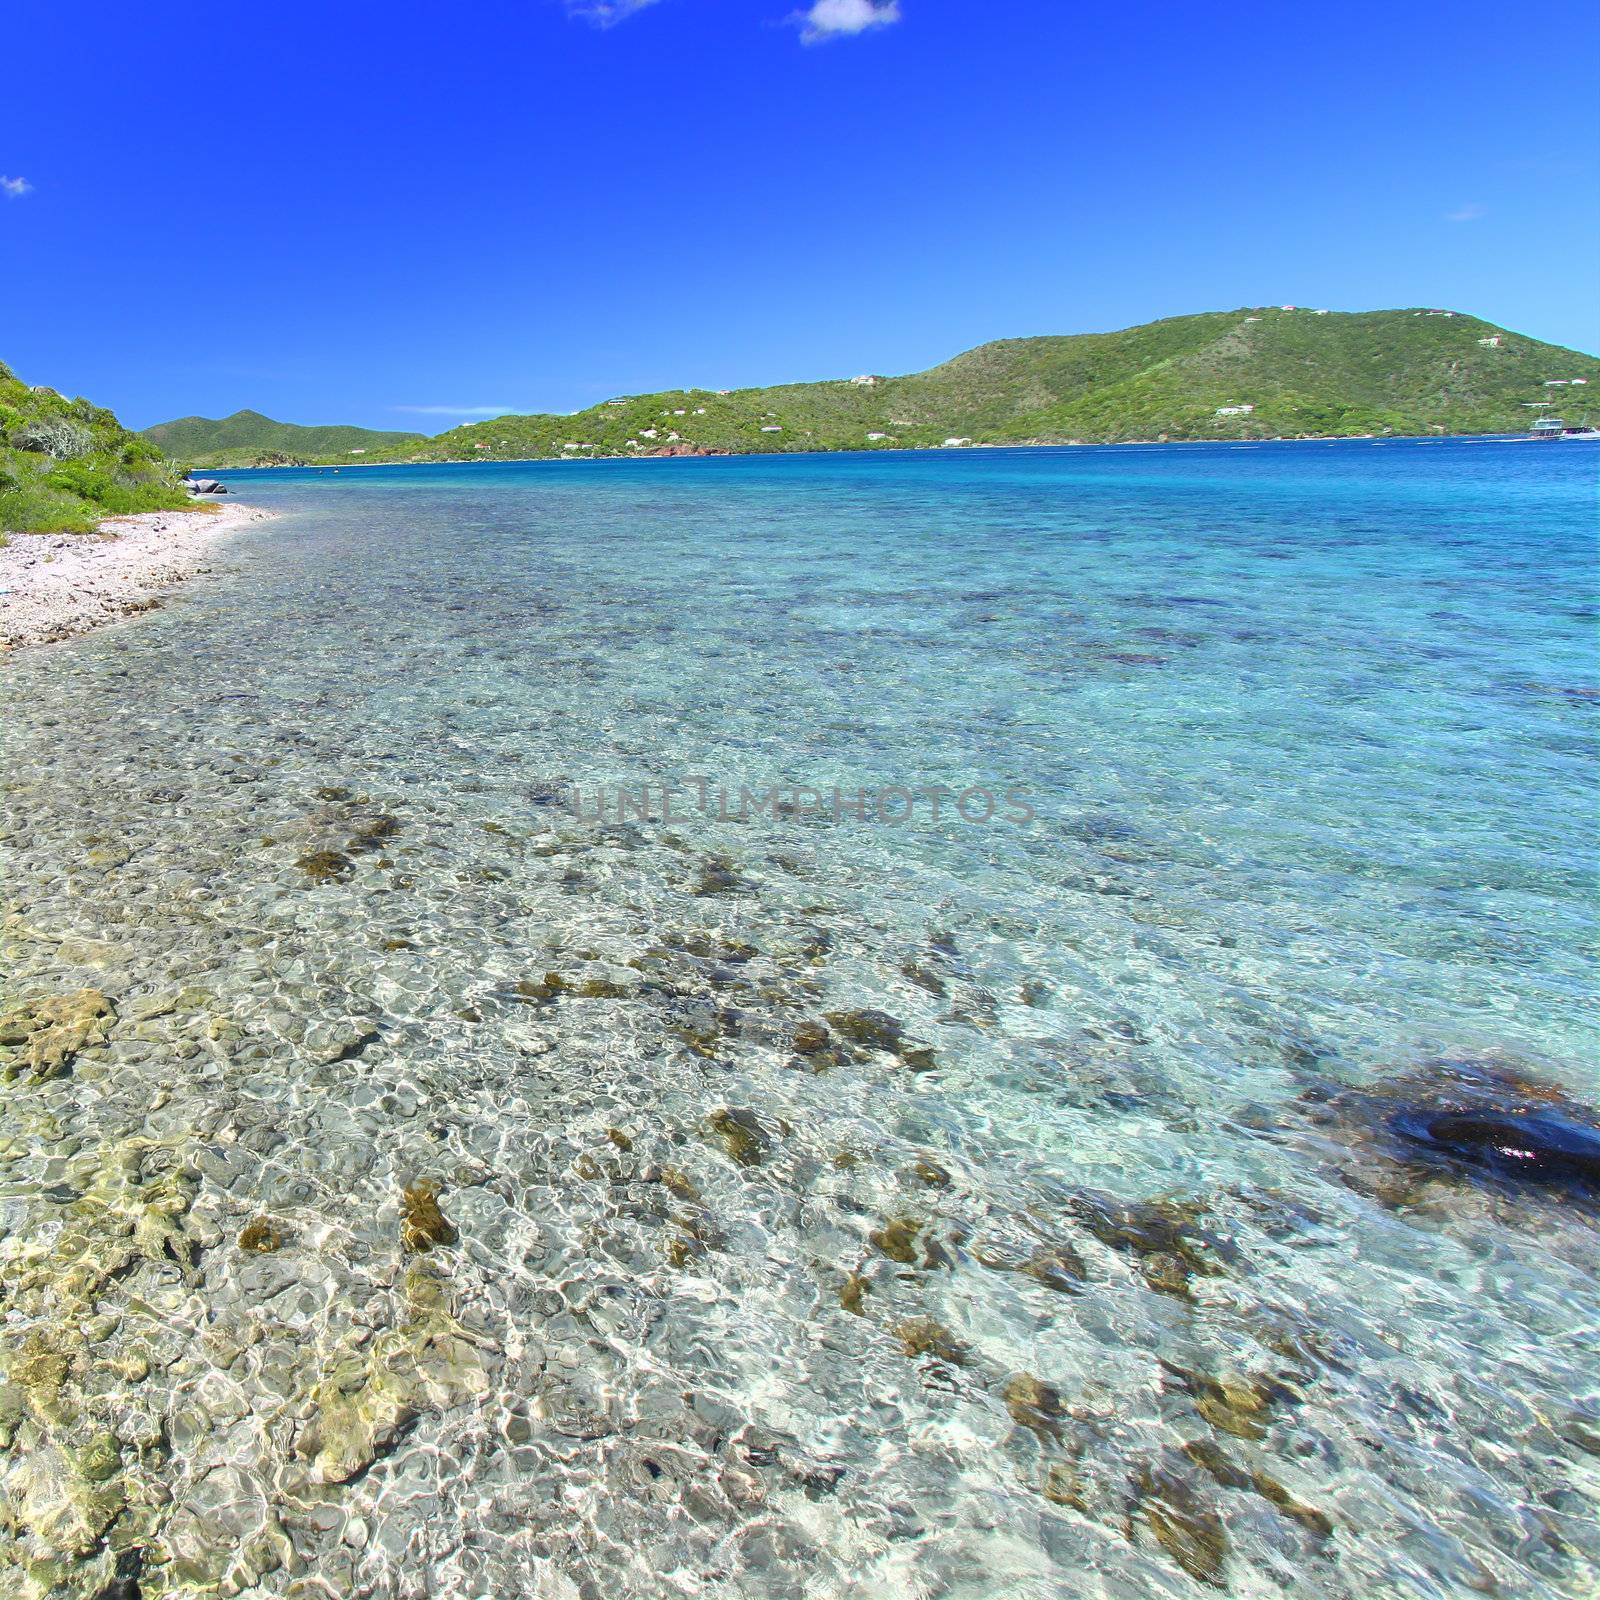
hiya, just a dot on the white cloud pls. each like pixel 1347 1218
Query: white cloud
pixel 1467 213
pixel 14 188
pixel 457 411
pixel 605 13
pixel 840 19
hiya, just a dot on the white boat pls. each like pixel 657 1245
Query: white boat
pixel 1560 428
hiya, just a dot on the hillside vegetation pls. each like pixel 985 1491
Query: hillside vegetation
pixel 1258 373
pixel 1304 373
pixel 66 464
pixel 248 439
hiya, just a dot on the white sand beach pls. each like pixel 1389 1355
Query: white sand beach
pixel 55 586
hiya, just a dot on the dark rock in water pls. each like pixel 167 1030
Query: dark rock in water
pixel 1167 1238
pixel 811 1038
pixel 1231 1475
pixel 124 1584
pixel 926 1336
pixel 422 1223
pixel 897 1239
pixel 1033 1404
pixel 1533 1147
pixel 1185 1527
pixel 261 1235
pixel 740 1134
pixel 875 1030
pixel 1461 1122
pixel 1060 1268
pixel 322 866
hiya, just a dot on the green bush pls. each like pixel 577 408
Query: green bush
pixel 65 464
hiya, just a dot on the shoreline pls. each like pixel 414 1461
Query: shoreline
pixel 57 586
pixel 898 450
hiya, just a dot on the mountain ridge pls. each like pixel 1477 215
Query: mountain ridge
pixel 208 440
pixel 1251 373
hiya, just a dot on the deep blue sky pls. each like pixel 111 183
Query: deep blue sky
pixel 328 211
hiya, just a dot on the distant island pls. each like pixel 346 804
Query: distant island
pixel 249 439
pixel 1255 373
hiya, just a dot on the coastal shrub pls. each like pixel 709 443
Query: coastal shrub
pixel 65 464
pixel 57 437
pixel 118 490
pixel 35 510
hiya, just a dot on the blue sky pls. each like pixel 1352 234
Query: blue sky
pixel 333 212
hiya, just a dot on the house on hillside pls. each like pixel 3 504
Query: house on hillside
pixel 956 444
pixel 358 452
pixel 772 427
pixel 1234 411
pixel 877 436
pixel 1491 343
pixel 867 380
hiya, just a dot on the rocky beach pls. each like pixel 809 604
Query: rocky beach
pixel 54 586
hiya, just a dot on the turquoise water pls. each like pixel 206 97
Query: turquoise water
pixel 1055 1274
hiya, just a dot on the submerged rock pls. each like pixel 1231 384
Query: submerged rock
pixel 1231 1475
pixel 1183 1525
pixel 261 1235
pixel 897 1239
pixel 370 1396
pixel 1236 1405
pixel 852 1293
pixel 51 1032
pixel 926 1336
pixel 1060 1268
pixel 422 1223
pixel 1524 1146
pixel 1462 1122
pixel 1166 1238
pixel 811 1038
pixel 740 1133
pixel 323 866
pixel 717 876
pixel 873 1030
pixel 1033 1404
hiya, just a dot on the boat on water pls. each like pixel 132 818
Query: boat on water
pixel 1560 428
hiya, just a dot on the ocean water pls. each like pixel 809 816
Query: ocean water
pixel 891 969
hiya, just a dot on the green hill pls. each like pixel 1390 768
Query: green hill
pixel 249 439
pixel 65 464
pixel 1302 373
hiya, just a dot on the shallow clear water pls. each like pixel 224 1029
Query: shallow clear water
pixel 1058 1277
